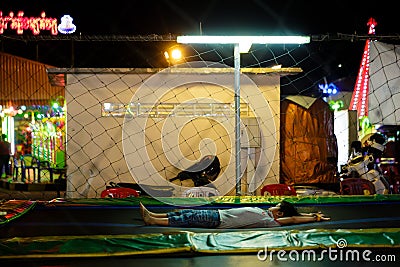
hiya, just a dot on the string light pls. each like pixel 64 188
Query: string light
pixel 359 100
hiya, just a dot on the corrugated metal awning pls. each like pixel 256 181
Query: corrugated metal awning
pixel 25 82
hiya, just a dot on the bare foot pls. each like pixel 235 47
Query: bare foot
pixel 142 209
pixel 145 214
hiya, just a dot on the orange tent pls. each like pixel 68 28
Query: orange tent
pixel 308 143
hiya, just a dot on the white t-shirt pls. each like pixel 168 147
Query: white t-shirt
pixel 246 217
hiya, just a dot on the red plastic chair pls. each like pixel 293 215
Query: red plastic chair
pixel 278 190
pixel 396 188
pixel 119 192
pixel 356 186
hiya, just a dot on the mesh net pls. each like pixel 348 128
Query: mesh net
pixel 152 125
pixel 134 117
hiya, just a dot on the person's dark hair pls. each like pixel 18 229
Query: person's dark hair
pixel 288 209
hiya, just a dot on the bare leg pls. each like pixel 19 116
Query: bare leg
pixel 151 218
pixel 152 214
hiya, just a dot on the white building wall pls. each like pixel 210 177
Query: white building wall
pixel 103 149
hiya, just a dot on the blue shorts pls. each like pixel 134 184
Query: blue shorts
pixel 194 218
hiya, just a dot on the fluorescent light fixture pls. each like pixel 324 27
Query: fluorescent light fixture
pixel 244 42
pixel 207 39
pixel 276 67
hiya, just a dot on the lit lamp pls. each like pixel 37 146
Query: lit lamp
pixel 173 56
pixel 242 45
pixel 244 42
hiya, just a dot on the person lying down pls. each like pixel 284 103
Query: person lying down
pixel 283 213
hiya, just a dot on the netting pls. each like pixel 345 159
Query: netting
pixel 384 95
pixel 169 120
pixel 143 119
pixel 145 126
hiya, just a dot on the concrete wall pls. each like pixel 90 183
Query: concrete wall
pixel 150 147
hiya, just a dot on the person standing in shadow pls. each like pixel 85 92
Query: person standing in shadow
pixel 5 152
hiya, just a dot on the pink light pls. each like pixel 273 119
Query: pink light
pixel 20 23
pixel 371 24
pixel 362 84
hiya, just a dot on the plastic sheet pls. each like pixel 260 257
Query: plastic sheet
pixel 190 242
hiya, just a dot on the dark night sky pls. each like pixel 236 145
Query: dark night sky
pixel 216 16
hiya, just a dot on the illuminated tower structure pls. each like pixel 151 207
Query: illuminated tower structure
pixel 359 100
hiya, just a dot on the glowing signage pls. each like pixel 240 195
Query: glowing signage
pixel 66 26
pixel 329 89
pixel 336 105
pixel 359 99
pixel 21 23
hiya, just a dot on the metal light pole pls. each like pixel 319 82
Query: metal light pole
pixel 237 119
pixel 241 44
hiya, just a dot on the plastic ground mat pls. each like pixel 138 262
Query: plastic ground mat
pixel 12 209
pixel 196 243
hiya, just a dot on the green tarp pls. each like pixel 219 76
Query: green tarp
pixel 199 243
pixel 232 200
pixel 189 242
